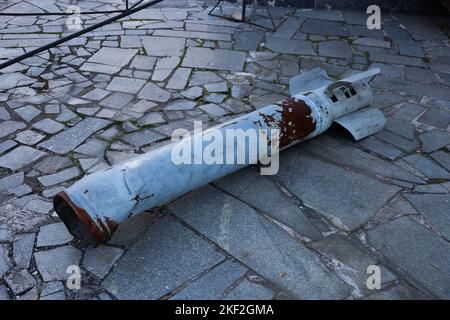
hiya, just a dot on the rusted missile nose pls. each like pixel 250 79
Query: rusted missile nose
pixel 78 221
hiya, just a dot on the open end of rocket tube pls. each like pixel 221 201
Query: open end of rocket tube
pixel 77 221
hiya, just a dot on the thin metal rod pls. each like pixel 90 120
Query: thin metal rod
pixel 77 34
pixel 243 19
pixel 136 4
pixel 70 13
pixel 19 14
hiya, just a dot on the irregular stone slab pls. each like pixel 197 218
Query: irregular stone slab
pixel 181 104
pixel 434 140
pixel 152 118
pixel 259 244
pixel 12 181
pixel 443 158
pixel 196 25
pixel 213 110
pixel 94 147
pixel 164 46
pixel 427 167
pixel 52 264
pixel 416 252
pixel 268 199
pixel 20 281
pixel 346 155
pixel 400 127
pixel 288 46
pixel 5 263
pixel 113 56
pixel 396 59
pixel 143 62
pixel 247 290
pixel 96 94
pixel 217 87
pixel 193 35
pixel 213 284
pixel 117 100
pixel 372 42
pixel 350 262
pixel 164 68
pixel 328 15
pixel 52 164
pixel 335 48
pixel 48 126
pixel 218 59
pixel 51 288
pixel 152 92
pixel 397 292
pixel 5 235
pixel 23 249
pixel 99 68
pixel 3 293
pixel 53 234
pixel 10 126
pixel 248 40
pixel 192 93
pixel 71 138
pixel 142 138
pixel 132 229
pixel 127 85
pixel 20 157
pixel 27 113
pixel 375 145
pixel 203 77
pixel 7 145
pixel 13 80
pixel 436 117
pixel 345 197
pixel 326 28
pixel 18 219
pixel 179 79
pixel 100 260
pixel 435 208
pixel 411 87
pixel 167 256
pixel 430 188
pixel 29 137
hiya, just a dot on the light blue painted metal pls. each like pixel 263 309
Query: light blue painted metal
pixel 94 206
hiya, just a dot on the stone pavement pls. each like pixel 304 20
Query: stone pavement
pixel 310 232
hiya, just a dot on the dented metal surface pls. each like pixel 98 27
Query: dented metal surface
pixel 94 206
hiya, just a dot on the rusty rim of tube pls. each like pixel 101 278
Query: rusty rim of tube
pixel 78 221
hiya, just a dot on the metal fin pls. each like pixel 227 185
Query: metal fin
pixel 363 123
pixel 369 74
pixel 309 80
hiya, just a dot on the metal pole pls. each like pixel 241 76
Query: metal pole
pixel 77 34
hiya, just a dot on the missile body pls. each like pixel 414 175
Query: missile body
pixel 93 207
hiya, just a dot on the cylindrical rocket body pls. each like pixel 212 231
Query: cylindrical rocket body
pixel 93 207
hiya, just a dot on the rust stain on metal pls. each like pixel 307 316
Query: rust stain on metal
pixel 269 119
pixel 296 121
pixel 93 229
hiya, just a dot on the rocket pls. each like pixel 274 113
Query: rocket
pixel 93 207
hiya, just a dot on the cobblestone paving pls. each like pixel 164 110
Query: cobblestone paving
pixel 335 207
